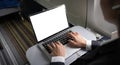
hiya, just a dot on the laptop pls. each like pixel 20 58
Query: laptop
pixel 50 26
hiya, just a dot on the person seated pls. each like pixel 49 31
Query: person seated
pixel 106 54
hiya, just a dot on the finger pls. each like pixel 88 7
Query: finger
pixel 53 45
pixel 71 43
pixel 72 35
pixel 76 33
pixel 58 42
pixel 49 46
pixel 70 32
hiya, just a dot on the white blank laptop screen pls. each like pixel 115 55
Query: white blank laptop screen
pixel 50 22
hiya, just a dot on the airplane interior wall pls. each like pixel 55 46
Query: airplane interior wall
pixel 96 21
pixel 76 9
pixel 82 12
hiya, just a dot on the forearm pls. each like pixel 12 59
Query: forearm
pixel 59 60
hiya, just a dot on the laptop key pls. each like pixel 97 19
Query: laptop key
pixel 47 48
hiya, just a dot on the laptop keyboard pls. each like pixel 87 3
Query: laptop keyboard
pixel 62 37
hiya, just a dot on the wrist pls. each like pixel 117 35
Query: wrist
pixel 58 59
pixel 88 44
pixel 84 43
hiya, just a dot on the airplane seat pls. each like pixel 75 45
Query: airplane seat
pixel 96 21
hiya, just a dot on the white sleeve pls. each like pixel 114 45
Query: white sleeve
pixel 88 44
pixel 58 59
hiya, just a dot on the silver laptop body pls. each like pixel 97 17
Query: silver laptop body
pixel 54 23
